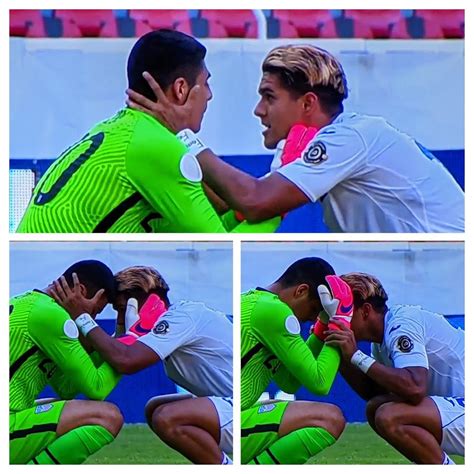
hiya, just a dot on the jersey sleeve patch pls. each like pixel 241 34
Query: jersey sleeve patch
pixel 405 344
pixel 163 327
pixel 292 324
pixel 315 153
pixel 190 168
pixel 70 329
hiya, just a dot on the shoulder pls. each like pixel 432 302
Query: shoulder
pixel 402 321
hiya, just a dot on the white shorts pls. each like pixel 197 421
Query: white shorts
pixel 224 408
pixel 451 410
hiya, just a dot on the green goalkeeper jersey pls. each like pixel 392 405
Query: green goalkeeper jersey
pixel 128 174
pixel 272 349
pixel 45 350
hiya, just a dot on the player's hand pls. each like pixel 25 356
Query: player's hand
pixel 292 148
pixel 342 337
pixel 142 323
pixel 72 299
pixel 174 117
pixel 337 300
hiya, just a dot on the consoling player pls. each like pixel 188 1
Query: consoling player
pixel 414 380
pixel 45 349
pixel 195 344
pixel 281 432
pixel 368 175
pixel 129 173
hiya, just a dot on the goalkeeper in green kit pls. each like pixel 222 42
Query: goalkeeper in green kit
pixel 46 349
pixel 281 432
pixel 129 173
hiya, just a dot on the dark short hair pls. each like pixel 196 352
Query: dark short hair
pixel 166 55
pixel 94 275
pixel 309 270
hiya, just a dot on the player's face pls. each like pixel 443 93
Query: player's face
pixel 277 109
pixel 120 302
pixel 203 97
pixel 306 308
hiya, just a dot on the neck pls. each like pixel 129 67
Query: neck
pixel 321 120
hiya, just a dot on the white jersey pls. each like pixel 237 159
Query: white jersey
pixel 414 337
pixel 195 344
pixel 370 177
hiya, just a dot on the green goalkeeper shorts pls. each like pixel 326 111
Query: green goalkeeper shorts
pixel 260 425
pixel 33 429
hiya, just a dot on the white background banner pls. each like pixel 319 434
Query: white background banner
pixel 193 270
pixel 426 274
pixel 59 88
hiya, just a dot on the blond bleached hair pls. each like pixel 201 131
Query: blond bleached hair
pixel 366 289
pixel 141 279
pixel 307 68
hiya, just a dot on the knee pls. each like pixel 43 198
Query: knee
pixel 332 421
pixel 336 420
pixel 386 420
pixel 164 421
pixel 110 418
pixel 371 408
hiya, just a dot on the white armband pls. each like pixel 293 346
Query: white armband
pixel 362 361
pixel 192 141
pixel 85 323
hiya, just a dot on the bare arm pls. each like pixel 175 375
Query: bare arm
pixel 409 383
pixel 124 359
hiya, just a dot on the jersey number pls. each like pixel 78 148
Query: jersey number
pixel 95 142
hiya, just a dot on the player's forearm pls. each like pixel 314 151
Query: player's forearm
pixel 405 383
pixel 362 384
pixel 238 189
pixel 111 350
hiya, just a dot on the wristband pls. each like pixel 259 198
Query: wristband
pixel 192 141
pixel 319 328
pixel 362 361
pixel 85 323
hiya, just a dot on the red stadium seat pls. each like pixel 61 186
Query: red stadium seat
pixel 379 21
pixel 345 28
pixel 416 28
pixel 28 23
pixel 156 19
pixel 91 23
pixel 307 23
pixel 235 23
pixel 450 21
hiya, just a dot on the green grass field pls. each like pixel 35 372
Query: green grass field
pixel 136 444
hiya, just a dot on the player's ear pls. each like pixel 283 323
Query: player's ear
pixel 301 290
pixel 309 103
pixel 180 89
pixel 366 310
pixel 83 290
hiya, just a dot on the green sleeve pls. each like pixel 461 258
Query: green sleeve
pixel 170 179
pixel 285 380
pixel 279 331
pixel 233 225
pixel 56 335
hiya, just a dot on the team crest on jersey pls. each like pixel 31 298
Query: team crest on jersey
pixel 404 344
pixel 266 408
pixel 162 327
pixel 316 153
pixel 43 408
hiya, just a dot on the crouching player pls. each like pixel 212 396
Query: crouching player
pixel 45 349
pixel 280 432
pixel 195 344
pixel 414 380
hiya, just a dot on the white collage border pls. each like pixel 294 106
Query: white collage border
pixel 468 237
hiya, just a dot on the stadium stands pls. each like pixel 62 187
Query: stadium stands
pixel 367 24
pixel 230 23
pixel 156 19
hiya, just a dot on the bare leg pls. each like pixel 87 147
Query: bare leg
pixel 78 413
pixel 415 431
pixel 312 414
pixel 155 402
pixel 191 426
